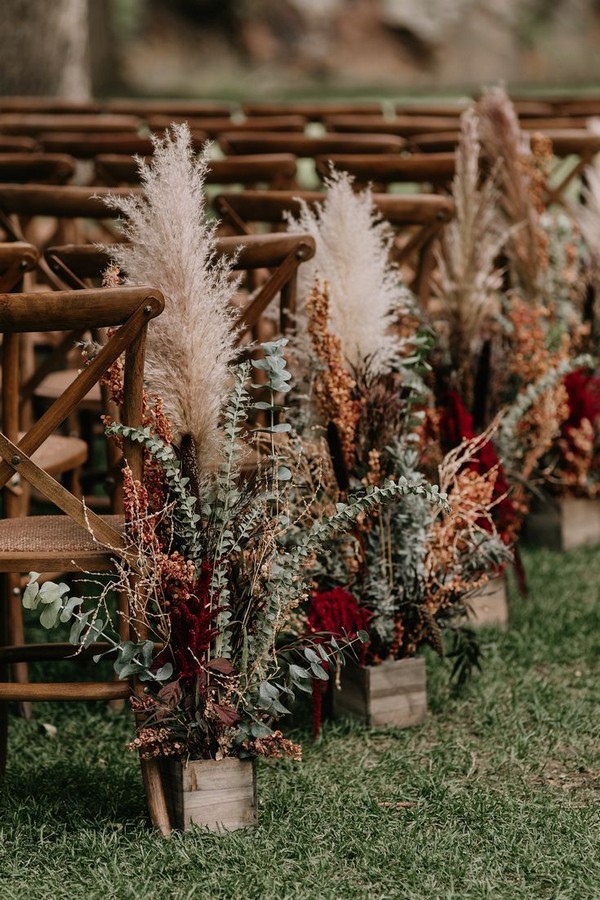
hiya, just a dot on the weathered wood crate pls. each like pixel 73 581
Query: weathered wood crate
pixel 489 605
pixel 217 794
pixel 563 523
pixel 393 693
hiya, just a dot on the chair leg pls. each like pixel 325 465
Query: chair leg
pixel 123 611
pixel 16 635
pixel 4 670
pixel 155 796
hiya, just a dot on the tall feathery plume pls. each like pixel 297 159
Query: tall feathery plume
pixel 172 247
pixel 503 145
pixel 468 278
pixel 353 257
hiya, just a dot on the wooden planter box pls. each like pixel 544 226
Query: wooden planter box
pixel 391 694
pixel 489 605
pixel 217 794
pixel 563 523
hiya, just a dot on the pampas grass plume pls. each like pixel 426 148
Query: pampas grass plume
pixel 353 258
pixel 172 247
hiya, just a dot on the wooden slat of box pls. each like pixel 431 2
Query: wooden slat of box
pixel 489 605
pixel 564 523
pixel 217 794
pixel 390 694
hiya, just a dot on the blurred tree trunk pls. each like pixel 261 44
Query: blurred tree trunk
pixel 44 48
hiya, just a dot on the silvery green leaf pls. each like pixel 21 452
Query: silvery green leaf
pixel 31 595
pixel 69 608
pixel 50 613
pixel 50 592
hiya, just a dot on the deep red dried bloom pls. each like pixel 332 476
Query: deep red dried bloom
pixel 583 390
pixel 338 613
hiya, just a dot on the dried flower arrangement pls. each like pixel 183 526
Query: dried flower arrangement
pixel 405 570
pixel 217 563
pixel 509 313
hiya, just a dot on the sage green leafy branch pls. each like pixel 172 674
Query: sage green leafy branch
pixel 87 628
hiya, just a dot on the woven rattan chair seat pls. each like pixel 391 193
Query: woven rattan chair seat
pixel 60 454
pixel 55 384
pixel 51 542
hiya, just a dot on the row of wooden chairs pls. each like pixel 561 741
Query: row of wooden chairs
pixel 538 105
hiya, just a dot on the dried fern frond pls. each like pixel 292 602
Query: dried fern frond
pixel 172 247
pixel 503 145
pixel 468 277
pixel 353 257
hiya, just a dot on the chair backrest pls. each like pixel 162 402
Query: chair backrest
pixel 436 170
pixel 88 146
pixel 56 105
pixel 215 127
pixel 128 311
pixel 444 108
pixel 72 205
pixel 277 170
pixel 313 110
pixel 307 146
pixel 14 143
pixel 281 254
pixel 39 168
pixel 36 123
pixel 138 106
pixel 403 126
pixel 418 218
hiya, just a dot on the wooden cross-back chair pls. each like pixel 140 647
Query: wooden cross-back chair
pixel 418 218
pixel 308 146
pixel 280 254
pixel 59 454
pixel 84 146
pixel 39 168
pixel 80 214
pixel 575 144
pixel 277 170
pixel 382 170
pixel 77 539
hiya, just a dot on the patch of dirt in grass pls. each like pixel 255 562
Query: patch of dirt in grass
pixel 565 776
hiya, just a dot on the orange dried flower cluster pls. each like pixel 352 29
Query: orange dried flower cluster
pixel 152 741
pixel 334 385
pixel 452 536
pixel 530 361
pixel 276 746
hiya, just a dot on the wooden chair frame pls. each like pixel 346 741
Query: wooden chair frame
pixel 278 170
pixel 39 168
pixel 130 309
pixel 282 254
pixel 426 213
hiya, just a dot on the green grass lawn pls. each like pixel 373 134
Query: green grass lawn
pixel 497 795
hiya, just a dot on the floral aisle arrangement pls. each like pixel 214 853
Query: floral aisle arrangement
pixel 508 315
pixel 216 563
pixel 403 572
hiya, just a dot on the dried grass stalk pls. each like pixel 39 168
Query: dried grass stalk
pixel 353 257
pixel 468 278
pixel 503 144
pixel 172 247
